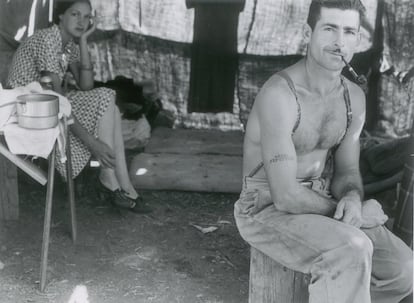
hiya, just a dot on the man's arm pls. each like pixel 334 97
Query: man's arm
pixel 347 185
pixel 277 112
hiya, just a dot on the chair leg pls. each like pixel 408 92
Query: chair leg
pixel 70 186
pixel 71 190
pixel 47 219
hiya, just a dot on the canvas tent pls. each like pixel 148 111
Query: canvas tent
pixel 153 40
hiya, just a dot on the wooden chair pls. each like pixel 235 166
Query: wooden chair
pixel 40 176
pixel 271 282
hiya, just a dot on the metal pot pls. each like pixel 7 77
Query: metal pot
pixel 37 111
pixel 37 122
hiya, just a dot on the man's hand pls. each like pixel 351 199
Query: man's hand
pixel 349 210
pixel 372 214
pixel 103 153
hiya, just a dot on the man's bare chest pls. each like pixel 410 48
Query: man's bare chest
pixel 322 123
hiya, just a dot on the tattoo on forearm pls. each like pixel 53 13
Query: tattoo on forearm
pixel 281 157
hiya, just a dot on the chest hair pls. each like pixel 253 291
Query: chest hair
pixel 321 126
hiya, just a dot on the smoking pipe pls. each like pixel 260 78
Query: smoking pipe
pixel 360 79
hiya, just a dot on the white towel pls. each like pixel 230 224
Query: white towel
pixel 33 142
pixel 7 105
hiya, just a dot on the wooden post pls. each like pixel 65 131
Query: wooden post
pixel 69 180
pixel 9 196
pixel 271 282
pixel 403 224
pixel 47 219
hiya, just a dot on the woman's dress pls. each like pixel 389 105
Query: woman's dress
pixel 43 51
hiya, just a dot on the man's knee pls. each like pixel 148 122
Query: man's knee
pixel 405 282
pixel 359 247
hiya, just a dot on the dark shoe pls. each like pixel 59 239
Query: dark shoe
pixel 140 206
pixel 120 199
pixel 135 205
pixel 104 193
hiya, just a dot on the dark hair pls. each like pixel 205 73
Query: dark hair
pixel 61 6
pixel 316 5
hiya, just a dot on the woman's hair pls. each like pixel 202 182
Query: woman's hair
pixel 316 5
pixel 61 6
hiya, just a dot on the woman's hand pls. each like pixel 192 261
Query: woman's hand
pixel 84 71
pixel 91 28
pixel 372 214
pixel 103 153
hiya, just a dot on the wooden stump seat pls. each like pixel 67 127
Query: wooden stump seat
pixel 271 282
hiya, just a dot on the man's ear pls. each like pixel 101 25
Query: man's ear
pixel 306 32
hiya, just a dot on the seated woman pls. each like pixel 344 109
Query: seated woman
pixel 97 123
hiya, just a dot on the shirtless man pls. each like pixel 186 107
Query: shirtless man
pixel 289 208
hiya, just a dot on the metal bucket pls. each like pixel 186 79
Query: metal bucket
pixel 37 111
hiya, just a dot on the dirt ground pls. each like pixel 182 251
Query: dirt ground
pixel 124 257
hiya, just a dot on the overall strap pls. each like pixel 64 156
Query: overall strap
pixel 347 99
pixel 291 85
pixel 256 169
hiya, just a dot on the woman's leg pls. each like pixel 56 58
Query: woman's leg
pixel 108 176
pixel 110 132
pixel 121 167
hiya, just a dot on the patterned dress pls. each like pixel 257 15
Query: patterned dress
pixel 43 52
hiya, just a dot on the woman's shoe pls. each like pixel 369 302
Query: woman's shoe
pixel 119 198
pixel 136 205
pixel 140 206
pixel 104 193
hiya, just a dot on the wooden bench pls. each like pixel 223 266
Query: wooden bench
pixel 9 195
pixel 271 282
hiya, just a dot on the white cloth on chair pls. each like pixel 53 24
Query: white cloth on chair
pixel 7 105
pixel 31 142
